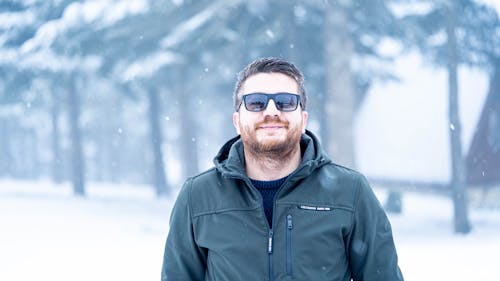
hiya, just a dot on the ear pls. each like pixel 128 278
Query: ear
pixel 304 121
pixel 236 122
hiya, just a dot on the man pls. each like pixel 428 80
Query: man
pixel 275 207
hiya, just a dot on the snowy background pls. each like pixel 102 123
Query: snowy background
pixel 124 57
pixel 118 233
pixel 402 126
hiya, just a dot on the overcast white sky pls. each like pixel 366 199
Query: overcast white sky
pixel 402 129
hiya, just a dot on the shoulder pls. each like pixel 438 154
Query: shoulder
pixel 360 191
pixel 342 175
pixel 198 183
pixel 209 191
pixel 204 180
pixel 338 184
pixel 343 170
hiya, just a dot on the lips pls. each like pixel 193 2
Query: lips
pixel 272 126
pixel 271 123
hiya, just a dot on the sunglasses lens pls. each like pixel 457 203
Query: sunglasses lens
pixel 255 102
pixel 286 102
pixel 258 102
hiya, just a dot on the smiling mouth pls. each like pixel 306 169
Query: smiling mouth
pixel 272 126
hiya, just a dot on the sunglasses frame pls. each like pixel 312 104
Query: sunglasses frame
pixel 270 97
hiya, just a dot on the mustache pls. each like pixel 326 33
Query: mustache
pixel 272 120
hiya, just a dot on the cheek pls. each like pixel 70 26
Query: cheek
pixel 242 123
pixel 245 120
pixel 245 125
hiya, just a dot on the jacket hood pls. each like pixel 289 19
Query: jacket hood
pixel 230 161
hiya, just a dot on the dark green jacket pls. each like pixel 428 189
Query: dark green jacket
pixel 327 225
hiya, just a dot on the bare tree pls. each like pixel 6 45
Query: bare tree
pixel 340 98
pixel 77 159
pixel 159 178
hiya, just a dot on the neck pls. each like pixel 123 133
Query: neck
pixel 271 167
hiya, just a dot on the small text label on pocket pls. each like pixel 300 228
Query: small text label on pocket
pixel 314 208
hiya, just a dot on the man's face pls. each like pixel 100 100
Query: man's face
pixel 270 131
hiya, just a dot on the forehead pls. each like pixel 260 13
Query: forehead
pixel 269 83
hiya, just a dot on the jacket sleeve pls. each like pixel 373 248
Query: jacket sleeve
pixel 183 260
pixel 371 249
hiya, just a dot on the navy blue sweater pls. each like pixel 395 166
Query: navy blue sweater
pixel 268 189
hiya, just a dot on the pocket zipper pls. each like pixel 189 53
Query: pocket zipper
pixel 289 227
pixel 270 253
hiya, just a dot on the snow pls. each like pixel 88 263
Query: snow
pixel 403 9
pixel 428 250
pixel 77 15
pixel 118 233
pixel 492 3
pixel 146 67
pixel 184 29
pixel 36 52
pixel 46 59
pixel 16 19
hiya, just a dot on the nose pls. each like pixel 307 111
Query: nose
pixel 271 109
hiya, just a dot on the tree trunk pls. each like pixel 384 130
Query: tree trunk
pixel 76 140
pixel 116 141
pixel 109 140
pixel 188 140
pixel 5 153
pixel 340 98
pixel 33 165
pixel 461 221
pixel 287 44
pixel 159 178
pixel 100 161
pixel 57 167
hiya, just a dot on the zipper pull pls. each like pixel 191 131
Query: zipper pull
pixel 270 242
pixel 289 221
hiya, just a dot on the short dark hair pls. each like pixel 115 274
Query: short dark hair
pixel 270 65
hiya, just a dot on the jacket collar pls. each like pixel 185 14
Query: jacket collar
pixel 230 161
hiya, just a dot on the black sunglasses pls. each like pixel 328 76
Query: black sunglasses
pixel 257 102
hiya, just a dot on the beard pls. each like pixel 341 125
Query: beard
pixel 277 148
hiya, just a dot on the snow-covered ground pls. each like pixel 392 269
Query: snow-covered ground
pixel 428 250
pixel 118 233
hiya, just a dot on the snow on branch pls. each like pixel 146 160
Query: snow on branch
pixel 46 59
pixel 148 66
pixel 77 15
pixel 16 19
pixel 182 31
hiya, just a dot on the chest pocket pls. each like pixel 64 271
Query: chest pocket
pixel 315 240
pixel 236 242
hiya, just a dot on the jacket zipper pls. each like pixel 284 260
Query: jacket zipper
pixel 289 227
pixel 270 227
pixel 270 246
pixel 270 253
